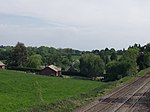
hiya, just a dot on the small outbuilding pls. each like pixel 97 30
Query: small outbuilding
pixel 2 65
pixel 51 70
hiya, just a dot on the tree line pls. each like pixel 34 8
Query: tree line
pixel 110 63
pixel 113 65
pixel 35 57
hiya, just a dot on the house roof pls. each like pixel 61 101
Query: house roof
pixel 2 64
pixel 54 68
pixel 71 69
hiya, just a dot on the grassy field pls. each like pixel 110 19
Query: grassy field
pixel 20 90
pixel 32 93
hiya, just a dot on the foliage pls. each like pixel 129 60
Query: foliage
pixel 147 59
pixel 49 55
pixel 136 57
pixel 20 55
pixel 113 56
pixel 127 65
pixel 148 47
pixel 91 65
pixel 143 59
pixel 141 62
pixel 65 63
pixel 25 69
pixel 112 71
pixel 117 70
pixel 130 57
pixel 103 54
pixel 34 61
pixel 5 53
pixel 131 54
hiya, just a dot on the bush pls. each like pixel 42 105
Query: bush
pixel 24 69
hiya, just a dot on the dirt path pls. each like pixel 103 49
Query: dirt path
pixel 129 98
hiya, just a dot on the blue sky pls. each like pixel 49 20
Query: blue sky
pixel 78 24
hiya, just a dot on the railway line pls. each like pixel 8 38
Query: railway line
pixel 124 99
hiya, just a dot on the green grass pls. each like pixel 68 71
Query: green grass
pixel 31 93
pixel 19 90
pixel 72 103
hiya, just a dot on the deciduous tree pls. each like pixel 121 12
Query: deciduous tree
pixel 20 55
pixel 34 61
pixel 91 65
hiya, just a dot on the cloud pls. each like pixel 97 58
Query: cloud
pixel 81 24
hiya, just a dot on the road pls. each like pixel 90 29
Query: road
pixel 129 98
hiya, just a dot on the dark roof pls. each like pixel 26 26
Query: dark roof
pixel 71 69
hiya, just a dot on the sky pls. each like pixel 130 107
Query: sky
pixel 77 24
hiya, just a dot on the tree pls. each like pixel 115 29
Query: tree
pixel 131 53
pixel 147 59
pixel 103 54
pixel 44 52
pixel 65 62
pixel 148 47
pixel 112 70
pixel 130 57
pixel 55 59
pixel 140 61
pixel 112 50
pixel 91 65
pixel 113 56
pixel 95 52
pixel 34 61
pixel 127 65
pixel 20 55
pixel 116 70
